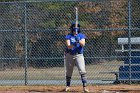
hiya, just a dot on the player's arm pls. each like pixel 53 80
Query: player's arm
pixel 69 46
pixel 82 42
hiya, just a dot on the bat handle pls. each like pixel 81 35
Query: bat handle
pixel 76 30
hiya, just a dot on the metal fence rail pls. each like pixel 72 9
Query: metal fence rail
pixel 32 41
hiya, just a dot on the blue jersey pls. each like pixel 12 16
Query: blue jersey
pixel 78 48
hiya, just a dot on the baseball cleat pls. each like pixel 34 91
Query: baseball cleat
pixel 85 90
pixel 67 89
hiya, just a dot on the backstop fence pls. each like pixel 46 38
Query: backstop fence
pixel 32 41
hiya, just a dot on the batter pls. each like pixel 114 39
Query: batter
pixel 75 41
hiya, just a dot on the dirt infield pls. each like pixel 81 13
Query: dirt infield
pixel 74 89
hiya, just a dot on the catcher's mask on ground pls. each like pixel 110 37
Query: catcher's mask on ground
pixel 73 28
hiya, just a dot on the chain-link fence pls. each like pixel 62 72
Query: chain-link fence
pixel 32 41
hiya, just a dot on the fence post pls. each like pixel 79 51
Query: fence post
pixel 129 38
pixel 26 38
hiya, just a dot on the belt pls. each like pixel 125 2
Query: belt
pixel 75 53
pixel 70 52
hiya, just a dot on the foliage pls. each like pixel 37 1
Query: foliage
pixel 47 23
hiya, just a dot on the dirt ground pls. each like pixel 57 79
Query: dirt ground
pixel 74 89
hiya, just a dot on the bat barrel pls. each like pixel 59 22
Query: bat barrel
pixel 76 9
pixel 76 19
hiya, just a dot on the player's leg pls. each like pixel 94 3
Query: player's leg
pixel 69 70
pixel 80 62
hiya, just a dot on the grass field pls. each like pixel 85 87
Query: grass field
pixel 58 73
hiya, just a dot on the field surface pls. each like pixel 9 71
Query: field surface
pixel 74 89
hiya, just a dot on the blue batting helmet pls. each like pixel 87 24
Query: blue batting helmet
pixel 73 28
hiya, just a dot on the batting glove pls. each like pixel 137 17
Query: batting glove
pixel 77 39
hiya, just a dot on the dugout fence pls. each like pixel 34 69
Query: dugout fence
pixel 32 40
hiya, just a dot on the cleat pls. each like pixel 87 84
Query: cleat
pixel 85 90
pixel 67 89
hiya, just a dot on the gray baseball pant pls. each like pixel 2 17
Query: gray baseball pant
pixel 71 60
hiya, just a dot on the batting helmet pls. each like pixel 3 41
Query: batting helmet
pixel 73 28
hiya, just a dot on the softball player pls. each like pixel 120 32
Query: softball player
pixel 75 41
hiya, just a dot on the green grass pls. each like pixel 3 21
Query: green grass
pixel 58 73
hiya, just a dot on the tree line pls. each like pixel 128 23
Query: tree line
pixel 48 22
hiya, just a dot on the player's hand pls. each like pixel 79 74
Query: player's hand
pixel 75 44
pixel 77 38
